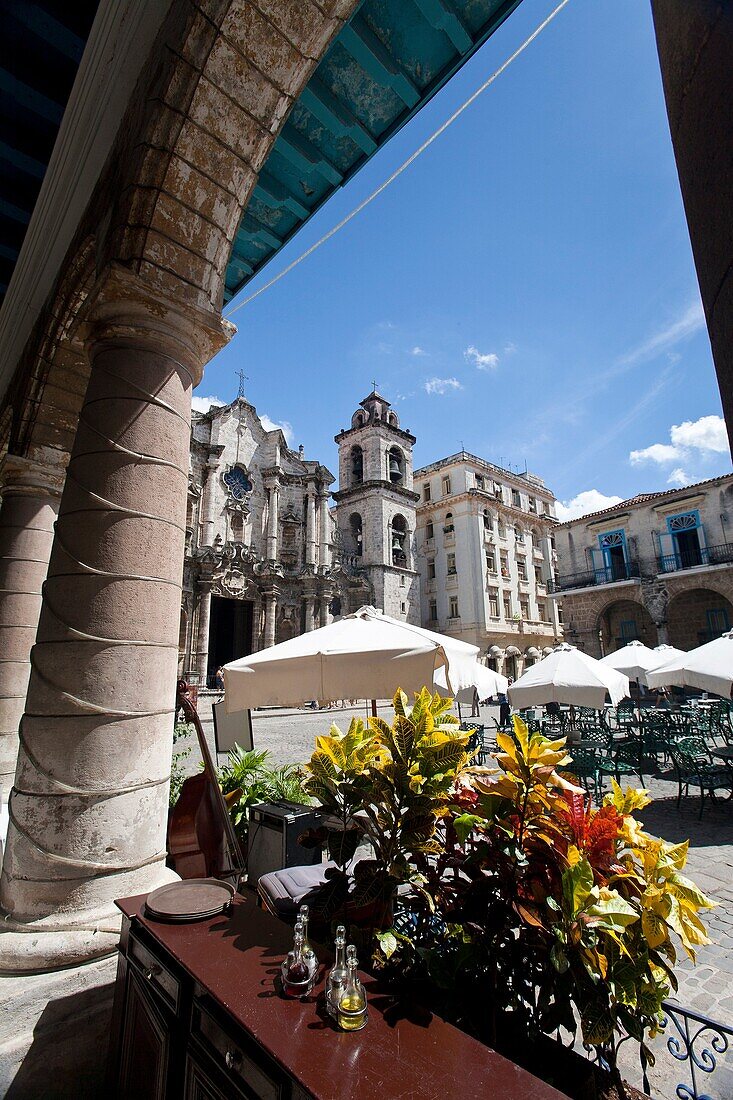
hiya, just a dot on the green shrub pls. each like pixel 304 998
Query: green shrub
pixel 251 772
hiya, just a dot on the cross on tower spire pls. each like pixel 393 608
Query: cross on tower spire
pixel 374 387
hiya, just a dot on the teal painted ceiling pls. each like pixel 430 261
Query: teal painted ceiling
pixel 385 64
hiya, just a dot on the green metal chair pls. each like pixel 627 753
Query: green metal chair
pixel 623 758
pixel 586 765
pixel 695 767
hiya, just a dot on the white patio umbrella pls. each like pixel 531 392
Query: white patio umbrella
pixel 366 655
pixel 567 675
pixel 707 668
pixel 635 659
pixel 483 680
pixel 667 651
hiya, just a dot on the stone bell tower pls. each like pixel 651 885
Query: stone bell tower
pixel 375 513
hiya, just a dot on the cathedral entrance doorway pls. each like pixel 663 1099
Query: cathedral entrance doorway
pixel 230 633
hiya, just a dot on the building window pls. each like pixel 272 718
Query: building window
pixel 524 608
pixel 431 569
pixel 538 576
pixel 559 614
pixel 426 491
pixel 491 561
pixel 480 483
pixel 516 499
pixel 399 541
pixel 355 526
pixel 451 565
pixel 448 527
pixel 429 530
pixel 518 535
pixel 357 465
pixel 487 520
pixel 403 608
pixel 446 487
pixel 533 505
pixel 433 611
pixel 395 465
pixel 493 603
pixel 521 569
pixel 402 580
pixel 453 607
pixel 504 564
pixel 501 529
pixel 542 610
pixel 507 607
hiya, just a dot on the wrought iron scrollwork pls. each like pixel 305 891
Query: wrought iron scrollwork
pixel 698 1041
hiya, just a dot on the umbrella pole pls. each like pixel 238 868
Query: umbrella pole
pixel 460 716
pixel 374 708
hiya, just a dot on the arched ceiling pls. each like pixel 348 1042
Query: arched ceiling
pixel 386 63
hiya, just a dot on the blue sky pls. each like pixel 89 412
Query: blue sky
pixel 525 289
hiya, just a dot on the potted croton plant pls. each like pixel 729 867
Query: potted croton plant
pixel 527 912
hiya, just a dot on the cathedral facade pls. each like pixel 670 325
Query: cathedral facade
pixel 268 555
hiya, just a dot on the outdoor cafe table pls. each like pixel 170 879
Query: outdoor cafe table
pixel 197 1014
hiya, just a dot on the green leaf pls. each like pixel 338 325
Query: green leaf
pixel 611 911
pixel 577 883
pixel 388 943
pixel 465 824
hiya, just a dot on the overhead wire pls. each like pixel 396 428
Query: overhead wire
pixel 406 164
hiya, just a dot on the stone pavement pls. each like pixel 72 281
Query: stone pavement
pixel 707 987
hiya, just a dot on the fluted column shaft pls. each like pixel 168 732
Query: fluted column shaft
pixel 310 528
pixel 324 524
pixel 30 501
pixel 202 633
pixel 88 809
pixel 270 609
pixel 273 521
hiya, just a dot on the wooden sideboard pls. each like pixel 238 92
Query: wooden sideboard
pixel 197 1016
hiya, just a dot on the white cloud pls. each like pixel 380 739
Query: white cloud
pixel 706 434
pixel 203 404
pixel 658 452
pixel 690 322
pixel 583 504
pixel 692 439
pixel 678 477
pixel 417 350
pixel 272 425
pixel 481 360
pixel 442 385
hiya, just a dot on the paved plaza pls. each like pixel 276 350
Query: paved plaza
pixel 707 987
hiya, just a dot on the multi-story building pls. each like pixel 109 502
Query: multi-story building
pixel 375 506
pixel 485 554
pixel 657 567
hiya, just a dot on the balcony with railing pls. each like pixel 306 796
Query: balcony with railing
pixel 605 574
pixel 695 557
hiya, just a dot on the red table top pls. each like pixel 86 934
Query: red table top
pixel 397 1056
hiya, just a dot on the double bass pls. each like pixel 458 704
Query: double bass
pixel 202 842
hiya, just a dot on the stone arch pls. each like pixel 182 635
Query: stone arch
pixel 356 531
pixel 622 620
pixel 696 615
pixel 395 465
pixel 399 536
pixel 356 465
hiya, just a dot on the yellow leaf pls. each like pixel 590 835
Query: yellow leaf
pixel 653 927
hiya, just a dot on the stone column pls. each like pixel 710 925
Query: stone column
pixel 310 528
pixel 207 505
pixel 270 612
pixel 324 613
pixel 273 520
pixel 30 501
pixel 325 559
pixel 89 806
pixel 203 624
